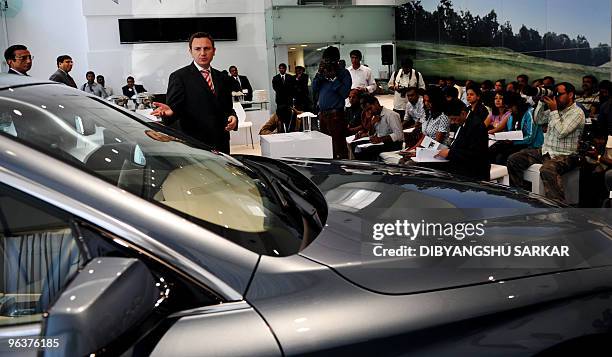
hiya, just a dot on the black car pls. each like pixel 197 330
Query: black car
pixel 121 237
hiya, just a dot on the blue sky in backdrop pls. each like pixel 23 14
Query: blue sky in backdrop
pixel 590 18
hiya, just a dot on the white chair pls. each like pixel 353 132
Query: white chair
pixel 243 123
pixel 571 183
pixel 499 174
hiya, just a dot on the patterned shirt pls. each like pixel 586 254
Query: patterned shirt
pixel 431 126
pixel 564 129
pixel 416 111
pixel 587 101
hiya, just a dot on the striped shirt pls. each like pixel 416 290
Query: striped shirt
pixel 564 129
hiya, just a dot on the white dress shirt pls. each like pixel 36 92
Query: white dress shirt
pixel 362 78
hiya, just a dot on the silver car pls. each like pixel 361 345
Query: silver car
pixel 121 237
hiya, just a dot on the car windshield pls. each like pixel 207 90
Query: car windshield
pixel 210 188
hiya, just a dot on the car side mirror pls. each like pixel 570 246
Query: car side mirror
pixel 107 298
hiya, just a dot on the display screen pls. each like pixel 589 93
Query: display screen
pixel 176 29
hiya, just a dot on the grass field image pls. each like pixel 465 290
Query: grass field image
pixel 479 63
pixel 475 39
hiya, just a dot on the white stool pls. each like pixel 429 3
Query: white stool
pixel 499 174
pixel 571 183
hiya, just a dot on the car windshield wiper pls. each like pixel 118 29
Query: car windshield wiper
pixel 286 192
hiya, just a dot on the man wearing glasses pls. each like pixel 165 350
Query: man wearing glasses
pixel 18 59
pixel 565 123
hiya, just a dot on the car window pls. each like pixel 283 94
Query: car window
pixel 214 190
pixel 39 257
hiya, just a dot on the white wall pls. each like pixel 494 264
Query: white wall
pixel 151 64
pixel 49 29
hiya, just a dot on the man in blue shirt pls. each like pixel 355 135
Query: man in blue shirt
pixel 333 84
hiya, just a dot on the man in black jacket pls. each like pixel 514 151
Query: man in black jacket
pixel 283 84
pixel 240 83
pixel 467 154
pixel 200 98
pixel 130 89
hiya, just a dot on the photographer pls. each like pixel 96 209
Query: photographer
pixel 400 81
pixel 333 84
pixel 557 156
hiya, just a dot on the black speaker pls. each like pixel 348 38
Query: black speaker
pixel 386 54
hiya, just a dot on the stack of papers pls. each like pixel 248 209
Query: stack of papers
pixel 350 139
pixel 507 135
pixel 427 155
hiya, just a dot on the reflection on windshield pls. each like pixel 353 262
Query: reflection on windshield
pixel 216 190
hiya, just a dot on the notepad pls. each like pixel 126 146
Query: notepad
pixel 509 135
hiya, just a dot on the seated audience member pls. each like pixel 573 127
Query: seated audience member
pixel 415 112
pixel 512 87
pixel 284 120
pixel 603 125
pixel 354 112
pixel 548 82
pixel 465 154
pixel 450 82
pixel 435 124
pixel 130 89
pixel 477 109
pixel 468 83
pixel 100 80
pixel 487 94
pixel 565 123
pixel 500 85
pixel 92 87
pixel 532 133
pixel 589 99
pixel 497 119
pixel 386 128
pixel 537 83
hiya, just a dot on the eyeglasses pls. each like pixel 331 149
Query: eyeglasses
pixel 23 58
pixel 559 94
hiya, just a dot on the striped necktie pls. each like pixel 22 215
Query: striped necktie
pixel 208 78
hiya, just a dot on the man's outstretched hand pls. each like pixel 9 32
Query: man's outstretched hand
pixel 162 110
pixel 232 121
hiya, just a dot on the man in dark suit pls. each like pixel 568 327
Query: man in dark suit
pixel 467 154
pixel 18 59
pixel 130 89
pixel 199 98
pixel 302 97
pixel 64 65
pixel 240 83
pixel 283 84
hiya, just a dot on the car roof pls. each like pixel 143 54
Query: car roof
pixel 8 80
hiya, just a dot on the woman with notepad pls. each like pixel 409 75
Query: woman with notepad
pixel 531 133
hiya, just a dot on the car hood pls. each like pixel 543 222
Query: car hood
pixel 360 195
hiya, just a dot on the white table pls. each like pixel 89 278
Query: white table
pixel 313 144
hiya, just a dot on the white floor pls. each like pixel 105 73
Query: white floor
pixel 385 100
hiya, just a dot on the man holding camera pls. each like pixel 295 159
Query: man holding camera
pixel 557 156
pixel 400 81
pixel 333 84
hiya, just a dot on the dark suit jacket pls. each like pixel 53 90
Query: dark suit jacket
pixel 468 153
pixel 302 97
pixel 12 71
pixel 129 92
pixel 200 113
pixel 63 77
pixel 243 84
pixel 284 91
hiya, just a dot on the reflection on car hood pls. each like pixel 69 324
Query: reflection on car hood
pixel 362 194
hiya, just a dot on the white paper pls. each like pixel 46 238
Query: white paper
pixel 427 155
pixel 609 143
pixel 351 139
pixel 509 135
pixel 367 145
pixel 430 143
pixel 409 130
pixel 491 142
pixel 306 114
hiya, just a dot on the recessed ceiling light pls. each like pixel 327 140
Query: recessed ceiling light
pixel 292 48
pixel 303 45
